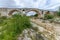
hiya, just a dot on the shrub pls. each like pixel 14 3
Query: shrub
pixel 2 19
pixel 14 26
pixel 35 15
pixel 58 13
pixel 48 16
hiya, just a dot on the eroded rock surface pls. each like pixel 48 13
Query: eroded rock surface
pixel 37 33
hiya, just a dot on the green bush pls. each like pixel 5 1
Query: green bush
pixel 35 15
pixel 14 26
pixel 58 13
pixel 2 19
pixel 48 16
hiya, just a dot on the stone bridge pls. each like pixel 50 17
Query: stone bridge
pixel 9 11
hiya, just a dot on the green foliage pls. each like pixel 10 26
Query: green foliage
pixel 58 13
pixel 2 19
pixel 48 16
pixel 14 26
pixel 35 15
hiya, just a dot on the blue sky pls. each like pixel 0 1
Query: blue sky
pixel 41 4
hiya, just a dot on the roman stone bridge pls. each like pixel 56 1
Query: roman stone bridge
pixel 10 11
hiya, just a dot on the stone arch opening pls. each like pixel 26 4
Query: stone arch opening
pixel 36 12
pixel 31 13
pixel 12 11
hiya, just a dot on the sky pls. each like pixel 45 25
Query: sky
pixel 41 4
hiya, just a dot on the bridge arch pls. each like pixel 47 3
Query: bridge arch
pixel 12 11
pixel 26 11
pixel 36 11
pixel 31 13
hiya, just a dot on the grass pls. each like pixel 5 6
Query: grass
pixel 11 27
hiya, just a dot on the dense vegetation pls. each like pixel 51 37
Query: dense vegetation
pixel 11 27
pixel 58 13
pixel 48 16
pixel 35 15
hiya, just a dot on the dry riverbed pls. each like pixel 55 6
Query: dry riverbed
pixel 46 31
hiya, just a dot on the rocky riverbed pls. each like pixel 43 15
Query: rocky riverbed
pixel 48 31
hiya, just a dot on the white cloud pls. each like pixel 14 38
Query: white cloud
pixel 31 3
pixel 54 4
pixel 7 3
pixel 41 4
